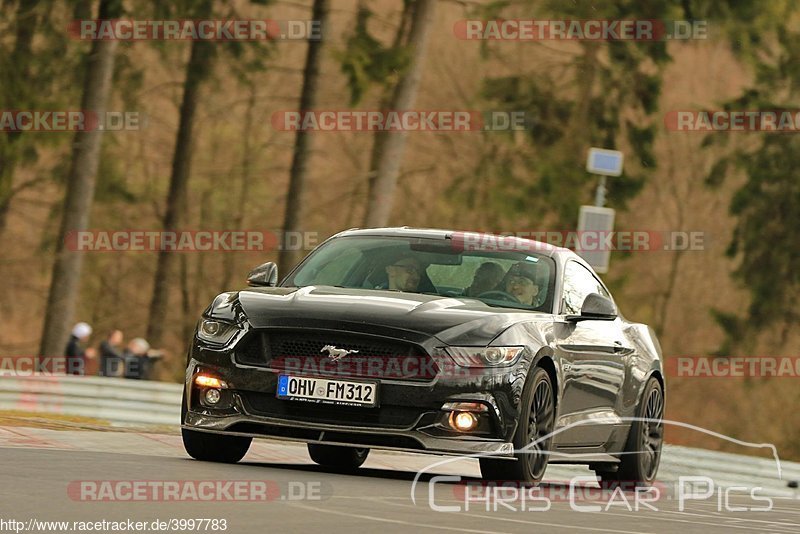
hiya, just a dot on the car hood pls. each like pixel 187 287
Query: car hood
pixel 409 316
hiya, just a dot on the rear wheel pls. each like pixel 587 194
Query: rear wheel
pixel 338 457
pixel 640 459
pixel 534 435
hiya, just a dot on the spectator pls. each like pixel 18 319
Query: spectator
pixel 75 354
pixel 111 359
pixel 139 359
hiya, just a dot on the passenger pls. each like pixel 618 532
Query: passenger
pixel 521 283
pixel 486 278
pixel 405 274
pixel 111 359
pixel 75 354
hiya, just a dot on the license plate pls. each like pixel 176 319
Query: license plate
pixel 323 390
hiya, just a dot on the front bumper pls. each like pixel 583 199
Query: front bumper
pixel 410 417
pixel 411 440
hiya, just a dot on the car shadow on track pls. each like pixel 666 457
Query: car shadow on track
pixel 364 472
pixel 397 474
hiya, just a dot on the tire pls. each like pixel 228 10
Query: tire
pixel 639 462
pixel 215 447
pixel 536 423
pixel 210 447
pixel 338 457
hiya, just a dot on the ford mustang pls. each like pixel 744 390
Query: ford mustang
pixel 430 341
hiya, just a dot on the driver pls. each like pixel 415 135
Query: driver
pixel 404 274
pixel 520 282
pixel 486 277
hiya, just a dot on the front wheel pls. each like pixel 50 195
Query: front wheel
pixel 215 447
pixel 642 455
pixel 337 457
pixel 533 438
pixel 212 447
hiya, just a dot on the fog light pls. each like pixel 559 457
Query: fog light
pixel 212 396
pixel 463 421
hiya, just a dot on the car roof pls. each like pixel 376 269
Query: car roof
pixel 436 233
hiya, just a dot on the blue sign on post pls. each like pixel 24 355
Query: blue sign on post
pixel 605 162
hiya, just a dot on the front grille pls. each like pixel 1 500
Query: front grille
pixel 301 352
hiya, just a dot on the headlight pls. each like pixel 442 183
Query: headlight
pixel 216 332
pixel 484 356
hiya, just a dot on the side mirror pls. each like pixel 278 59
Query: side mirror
pixel 265 274
pixel 595 307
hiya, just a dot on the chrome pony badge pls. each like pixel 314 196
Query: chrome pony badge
pixel 335 353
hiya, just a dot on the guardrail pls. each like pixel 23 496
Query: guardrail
pixel 143 402
pixel 117 400
pixel 728 469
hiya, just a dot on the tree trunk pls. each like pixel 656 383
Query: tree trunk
pixel 20 62
pixel 196 72
pixel 80 192
pixel 387 152
pixel 577 129
pixel 188 315
pixel 295 216
pixel 240 204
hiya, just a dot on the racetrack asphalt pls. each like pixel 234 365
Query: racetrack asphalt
pixel 46 474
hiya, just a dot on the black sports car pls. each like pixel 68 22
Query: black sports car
pixel 429 341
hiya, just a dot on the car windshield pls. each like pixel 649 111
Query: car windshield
pixel 510 279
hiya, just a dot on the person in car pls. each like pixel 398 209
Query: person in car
pixel 404 274
pixel 486 278
pixel 521 283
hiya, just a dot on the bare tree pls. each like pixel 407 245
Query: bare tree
pixel 14 87
pixel 389 147
pixel 80 191
pixel 294 218
pixel 240 204
pixel 197 71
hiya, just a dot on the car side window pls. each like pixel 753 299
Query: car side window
pixel 578 283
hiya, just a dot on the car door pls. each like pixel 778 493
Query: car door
pixel 592 355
